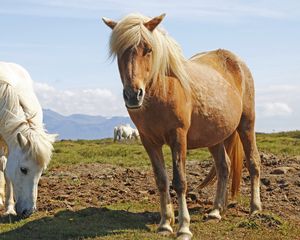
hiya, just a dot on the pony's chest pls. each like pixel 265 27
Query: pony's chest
pixel 159 121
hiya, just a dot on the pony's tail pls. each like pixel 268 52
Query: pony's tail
pixel 235 151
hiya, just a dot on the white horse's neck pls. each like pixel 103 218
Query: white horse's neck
pixel 20 110
pixel 18 124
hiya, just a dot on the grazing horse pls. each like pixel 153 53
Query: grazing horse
pixel 125 132
pixel 135 134
pixel 29 145
pixel 204 101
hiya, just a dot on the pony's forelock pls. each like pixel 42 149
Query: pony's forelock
pixel 167 57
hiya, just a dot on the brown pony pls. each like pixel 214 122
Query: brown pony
pixel 205 101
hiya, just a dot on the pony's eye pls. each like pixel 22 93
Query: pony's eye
pixel 24 170
pixel 147 50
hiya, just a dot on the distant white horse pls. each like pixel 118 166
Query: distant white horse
pixel 125 132
pixel 21 127
pixel 135 134
pixel 117 133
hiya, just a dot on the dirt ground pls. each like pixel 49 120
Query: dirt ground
pixel 98 185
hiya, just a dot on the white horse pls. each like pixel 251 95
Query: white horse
pixel 135 134
pixel 125 132
pixel 21 127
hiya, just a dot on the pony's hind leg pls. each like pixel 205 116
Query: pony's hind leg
pixel 222 165
pixel 178 148
pixel 247 136
pixel 162 182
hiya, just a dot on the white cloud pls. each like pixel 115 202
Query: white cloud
pixel 273 109
pixel 86 101
pixel 278 108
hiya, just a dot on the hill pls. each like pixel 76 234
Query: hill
pixel 80 126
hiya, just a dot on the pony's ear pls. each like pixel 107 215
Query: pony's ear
pixel 109 22
pixel 153 23
pixel 22 140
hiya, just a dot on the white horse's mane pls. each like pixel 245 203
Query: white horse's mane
pixel 13 120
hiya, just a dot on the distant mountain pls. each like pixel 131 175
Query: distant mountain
pixel 80 126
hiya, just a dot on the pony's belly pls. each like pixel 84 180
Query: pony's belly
pixel 209 130
pixel 204 140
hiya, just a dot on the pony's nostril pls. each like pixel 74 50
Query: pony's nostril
pixel 140 93
pixel 24 213
pixel 125 96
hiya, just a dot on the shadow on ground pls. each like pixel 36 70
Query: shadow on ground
pixel 89 222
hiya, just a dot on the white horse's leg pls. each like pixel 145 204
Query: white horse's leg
pixel 2 188
pixel 2 179
pixel 222 164
pixel 9 199
pixel 115 134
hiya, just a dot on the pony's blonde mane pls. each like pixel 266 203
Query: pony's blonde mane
pixel 13 120
pixel 167 57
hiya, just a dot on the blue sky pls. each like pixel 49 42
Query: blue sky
pixel 64 46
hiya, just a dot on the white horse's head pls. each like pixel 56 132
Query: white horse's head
pixel 26 162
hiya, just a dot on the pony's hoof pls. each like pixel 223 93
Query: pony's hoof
pixel 232 204
pixel 255 209
pixel 254 213
pixel 10 212
pixel 184 236
pixel 214 215
pixel 165 231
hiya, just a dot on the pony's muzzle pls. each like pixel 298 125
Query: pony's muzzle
pixel 133 98
pixel 24 212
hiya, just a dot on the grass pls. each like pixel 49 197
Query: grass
pixel 138 220
pixel 126 154
pixel 285 143
pixel 132 154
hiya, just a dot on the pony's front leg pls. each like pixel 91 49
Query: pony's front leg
pixel 178 147
pixel 9 199
pixel 162 182
pixel 222 164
